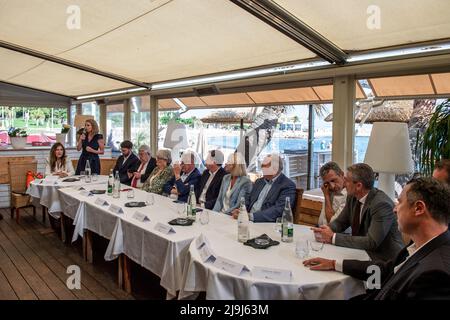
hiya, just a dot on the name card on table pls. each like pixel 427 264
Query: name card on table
pixel 163 228
pixel 230 266
pixel 115 209
pixel 201 240
pixel 272 274
pixel 86 193
pixel 139 216
pixel 206 253
pixel 101 202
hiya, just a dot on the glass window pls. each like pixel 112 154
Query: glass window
pixel 40 123
pixel 114 118
pixel 140 121
pixel 91 108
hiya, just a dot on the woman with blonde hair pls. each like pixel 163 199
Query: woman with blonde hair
pixel 162 174
pixel 235 185
pixel 58 163
pixel 92 144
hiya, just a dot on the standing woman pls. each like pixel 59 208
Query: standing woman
pixel 58 163
pixel 92 144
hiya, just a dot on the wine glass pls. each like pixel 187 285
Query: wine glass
pixel 150 199
pixel 130 194
pixel 204 217
pixel 316 245
pixel 277 226
pixel 181 209
pixel 301 249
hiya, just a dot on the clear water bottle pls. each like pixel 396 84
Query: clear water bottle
pixel 287 223
pixel 192 204
pixel 87 172
pixel 116 186
pixel 243 222
pixel 109 190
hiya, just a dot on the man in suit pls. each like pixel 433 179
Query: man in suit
pixel 268 196
pixel 208 188
pixel 369 212
pixel 146 165
pixel 422 269
pixel 185 175
pixel 441 171
pixel 127 162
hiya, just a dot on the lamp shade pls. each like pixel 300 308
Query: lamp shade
pixel 176 136
pixel 80 119
pixel 389 149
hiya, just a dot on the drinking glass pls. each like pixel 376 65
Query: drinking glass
pixel 181 209
pixel 204 217
pixel 94 177
pixel 82 175
pixel 316 245
pixel 301 249
pixel 130 194
pixel 277 226
pixel 150 199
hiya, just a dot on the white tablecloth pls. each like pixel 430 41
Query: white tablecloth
pixel 46 191
pixel 305 283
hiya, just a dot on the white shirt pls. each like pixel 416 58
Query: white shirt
pixel 226 199
pixel 126 158
pixel 184 176
pixel 338 201
pixel 67 169
pixel 202 198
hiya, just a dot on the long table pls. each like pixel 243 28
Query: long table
pixel 174 256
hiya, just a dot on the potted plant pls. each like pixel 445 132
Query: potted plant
pixel 61 137
pixel 18 137
pixel 434 144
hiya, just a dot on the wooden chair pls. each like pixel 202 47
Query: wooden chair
pixel 298 202
pixel 106 164
pixel 307 211
pixel 18 185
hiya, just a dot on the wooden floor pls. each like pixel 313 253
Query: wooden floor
pixel 33 265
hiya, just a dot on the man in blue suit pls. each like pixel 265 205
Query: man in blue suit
pixel 267 199
pixel 185 175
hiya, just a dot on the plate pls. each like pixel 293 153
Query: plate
pixel 98 191
pixel 71 179
pixel 135 204
pixel 181 222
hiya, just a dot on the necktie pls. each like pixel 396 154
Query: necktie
pixel 135 181
pixel 356 217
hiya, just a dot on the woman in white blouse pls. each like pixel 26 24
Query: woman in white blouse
pixel 146 166
pixel 235 185
pixel 58 163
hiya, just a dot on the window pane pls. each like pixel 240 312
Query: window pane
pixel 41 124
pixel 140 121
pixel 114 124
pixel 91 108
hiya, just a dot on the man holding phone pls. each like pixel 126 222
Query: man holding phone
pixel 128 162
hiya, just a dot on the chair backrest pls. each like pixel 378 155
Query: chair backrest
pixel 106 164
pixel 308 212
pixel 75 164
pixel 4 173
pixel 298 203
pixel 18 174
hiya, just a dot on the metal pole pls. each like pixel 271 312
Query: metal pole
pixel 310 146
pixel 154 130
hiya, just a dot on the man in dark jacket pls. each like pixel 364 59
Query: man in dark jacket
pixel 127 162
pixel 422 269
pixel 185 176
pixel 208 188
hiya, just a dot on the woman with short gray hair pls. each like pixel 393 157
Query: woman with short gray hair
pixel 162 173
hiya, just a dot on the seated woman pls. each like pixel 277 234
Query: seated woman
pixel 161 174
pixel 58 163
pixel 146 166
pixel 235 184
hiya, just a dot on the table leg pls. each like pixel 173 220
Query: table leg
pixel 63 228
pixel 124 273
pixel 87 246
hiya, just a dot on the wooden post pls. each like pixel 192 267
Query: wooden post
pixel 62 221
pixel 87 246
pixel 124 273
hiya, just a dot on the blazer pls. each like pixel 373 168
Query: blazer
pixel 150 166
pixel 183 187
pixel 425 275
pixel 213 190
pixel 132 163
pixel 241 188
pixel 273 205
pixel 378 232
pixel 157 185
pixel 68 167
